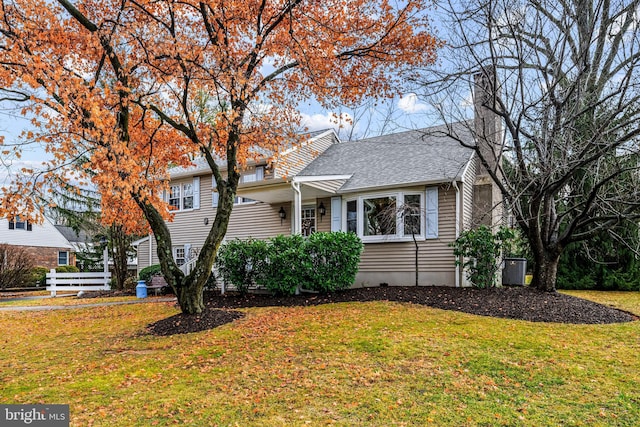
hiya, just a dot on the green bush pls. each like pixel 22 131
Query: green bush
pixel 324 262
pixel 285 266
pixel 334 260
pixel 480 250
pixel 148 272
pixel 67 269
pixel 38 276
pixel 240 262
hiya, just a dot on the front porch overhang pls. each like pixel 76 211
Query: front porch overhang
pixel 314 186
pixel 294 190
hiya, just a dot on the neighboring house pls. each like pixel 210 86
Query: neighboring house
pixel 353 186
pixel 46 245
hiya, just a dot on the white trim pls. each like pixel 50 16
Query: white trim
pixel 399 196
pixel 458 210
pixel 297 207
pixel 303 179
pixel 432 209
pixel 463 176
pixel 336 213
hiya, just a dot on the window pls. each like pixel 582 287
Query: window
pixel 379 216
pixel 20 224
pixel 308 217
pixel 63 258
pixel 242 200
pixel 174 197
pixel 179 255
pixel 185 196
pixel 256 175
pixel 393 216
pixel 411 213
pixel 352 216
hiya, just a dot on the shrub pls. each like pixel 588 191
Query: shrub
pixel 67 269
pixel 240 262
pixel 148 272
pixel 334 260
pixel 481 250
pixel 15 267
pixel 324 262
pixel 285 266
pixel 39 276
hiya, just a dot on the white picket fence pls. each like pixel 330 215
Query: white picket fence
pixel 77 281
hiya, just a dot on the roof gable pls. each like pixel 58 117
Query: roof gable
pixel 405 158
pixel 42 235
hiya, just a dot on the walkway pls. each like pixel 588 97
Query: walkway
pixel 70 307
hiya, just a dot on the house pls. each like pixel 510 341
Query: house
pixel 360 187
pixel 44 243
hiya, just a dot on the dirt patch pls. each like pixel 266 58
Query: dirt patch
pixel 510 302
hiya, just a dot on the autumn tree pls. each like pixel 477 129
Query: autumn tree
pixel 79 209
pixel 121 83
pixel 562 76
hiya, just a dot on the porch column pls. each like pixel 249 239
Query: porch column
pixel 297 208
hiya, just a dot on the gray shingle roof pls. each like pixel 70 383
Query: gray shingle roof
pixel 405 158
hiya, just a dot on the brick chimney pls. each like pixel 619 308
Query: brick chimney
pixel 487 199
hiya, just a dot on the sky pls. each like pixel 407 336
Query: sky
pixel 402 113
pixel 399 114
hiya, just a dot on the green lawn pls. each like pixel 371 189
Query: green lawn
pixel 346 364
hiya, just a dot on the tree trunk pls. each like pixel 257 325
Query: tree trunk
pixel 190 298
pixel 545 270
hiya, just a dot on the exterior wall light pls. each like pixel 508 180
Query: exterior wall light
pixel 283 214
pixel 322 210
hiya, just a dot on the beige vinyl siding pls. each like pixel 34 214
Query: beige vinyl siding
pixel 291 163
pixel 143 254
pixel 259 220
pixel 393 262
pixel 323 224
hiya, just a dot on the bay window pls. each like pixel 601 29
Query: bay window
pixel 393 216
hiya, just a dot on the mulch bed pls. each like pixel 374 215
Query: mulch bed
pixel 509 302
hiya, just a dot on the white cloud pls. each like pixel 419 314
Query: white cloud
pixel 12 169
pixel 335 121
pixel 409 104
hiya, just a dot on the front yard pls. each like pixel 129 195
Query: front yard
pixel 375 363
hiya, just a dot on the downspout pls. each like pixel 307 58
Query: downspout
pixel 458 203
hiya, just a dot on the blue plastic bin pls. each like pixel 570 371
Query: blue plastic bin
pixel 141 289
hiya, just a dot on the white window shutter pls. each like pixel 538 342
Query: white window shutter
pixel 432 213
pixel 259 173
pixel 196 192
pixel 187 251
pixel 214 195
pixel 336 214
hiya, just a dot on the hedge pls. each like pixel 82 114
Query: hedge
pixel 323 262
